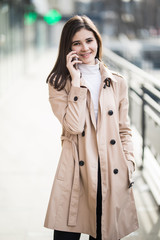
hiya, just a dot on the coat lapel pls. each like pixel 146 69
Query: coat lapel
pixel 89 103
pixel 106 76
pixel 106 87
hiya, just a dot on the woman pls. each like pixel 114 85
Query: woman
pixel 92 190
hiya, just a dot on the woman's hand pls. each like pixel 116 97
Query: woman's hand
pixel 71 61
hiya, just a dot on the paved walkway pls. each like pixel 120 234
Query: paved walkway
pixel 29 152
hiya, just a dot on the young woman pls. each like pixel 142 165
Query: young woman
pixel 92 190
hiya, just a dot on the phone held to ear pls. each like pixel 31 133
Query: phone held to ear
pixel 76 64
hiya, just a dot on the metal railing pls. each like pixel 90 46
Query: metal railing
pixel 144 111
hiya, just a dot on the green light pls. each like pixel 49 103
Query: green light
pixel 30 18
pixel 52 17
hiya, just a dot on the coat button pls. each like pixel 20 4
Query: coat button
pixel 81 163
pixel 110 112
pixel 83 133
pixel 115 171
pixel 75 98
pixel 131 184
pixel 112 142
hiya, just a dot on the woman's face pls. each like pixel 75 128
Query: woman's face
pixel 85 45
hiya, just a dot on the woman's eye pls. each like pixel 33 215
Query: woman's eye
pixel 75 44
pixel 89 40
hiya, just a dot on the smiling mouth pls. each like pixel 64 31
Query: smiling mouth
pixel 86 54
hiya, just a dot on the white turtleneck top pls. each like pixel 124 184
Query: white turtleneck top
pixel 91 75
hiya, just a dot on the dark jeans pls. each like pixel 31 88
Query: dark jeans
pixel 60 235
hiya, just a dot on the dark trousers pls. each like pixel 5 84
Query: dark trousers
pixel 61 235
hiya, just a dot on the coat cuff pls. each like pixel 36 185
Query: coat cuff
pixel 77 93
pixel 131 168
pixel 131 161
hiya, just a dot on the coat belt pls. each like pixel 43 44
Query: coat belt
pixel 74 200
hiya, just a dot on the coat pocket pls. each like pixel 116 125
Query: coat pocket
pixel 129 167
pixel 61 168
pixel 62 165
pixel 66 163
pixel 130 173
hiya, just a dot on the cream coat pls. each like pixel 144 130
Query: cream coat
pixel 72 205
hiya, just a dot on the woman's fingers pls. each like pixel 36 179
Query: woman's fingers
pixel 72 59
pixel 71 63
pixel 71 55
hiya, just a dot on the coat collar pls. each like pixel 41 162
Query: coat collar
pixel 105 73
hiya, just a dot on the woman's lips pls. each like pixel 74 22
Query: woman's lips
pixel 85 55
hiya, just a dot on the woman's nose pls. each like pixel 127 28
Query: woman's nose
pixel 84 47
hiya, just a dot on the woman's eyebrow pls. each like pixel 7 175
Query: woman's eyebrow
pixel 76 41
pixel 89 38
pixel 85 40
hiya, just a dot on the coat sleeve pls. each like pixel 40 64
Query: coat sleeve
pixel 124 126
pixel 69 108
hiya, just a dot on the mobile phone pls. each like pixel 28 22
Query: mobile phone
pixel 76 64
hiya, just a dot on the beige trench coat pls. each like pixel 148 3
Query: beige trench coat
pixel 72 205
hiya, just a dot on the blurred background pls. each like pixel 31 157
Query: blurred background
pixel 30 134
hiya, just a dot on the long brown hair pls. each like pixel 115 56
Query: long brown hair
pixel 60 73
